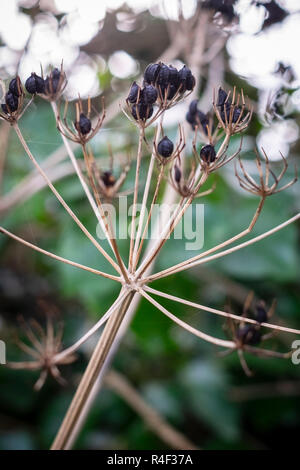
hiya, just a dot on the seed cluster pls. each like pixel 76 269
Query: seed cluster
pixel 251 334
pixel 165 147
pixel 224 105
pixel 162 83
pixel 12 97
pixel 35 84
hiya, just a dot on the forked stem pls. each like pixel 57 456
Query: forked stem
pixel 91 374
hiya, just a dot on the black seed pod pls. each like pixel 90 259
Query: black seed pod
pixel 222 96
pixel 11 101
pixel 165 147
pixel 149 94
pixel 172 92
pixel 35 84
pixel 249 335
pixel 84 124
pixel 193 107
pixel 187 80
pixel 163 76
pixel 133 93
pixel 173 76
pixel 191 119
pixel 236 115
pixel 190 82
pixel 151 72
pixel 141 111
pixel 208 153
pixel 15 87
pixel 108 178
pixel 177 174
pixel 52 81
pixel 261 315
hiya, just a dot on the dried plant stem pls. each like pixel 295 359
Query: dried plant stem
pixel 105 222
pixel 59 258
pixel 158 183
pixel 4 137
pixel 143 210
pixel 186 326
pixel 61 200
pixel 220 312
pixel 135 197
pixel 177 216
pixel 91 374
pixel 79 172
pixel 173 269
pixel 92 330
pixel 173 438
pixel 237 247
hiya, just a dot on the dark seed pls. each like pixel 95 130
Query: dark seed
pixel 149 94
pixel 11 101
pixel 55 73
pixel 186 78
pixel 35 84
pixel 84 124
pixel 108 178
pixel 151 72
pixel 249 335
pixel 193 107
pixel 190 82
pixel 177 174
pixel 208 153
pixel 133 93
pixel 165 147
pixel 174 76
pixel 14 87
pixel 141 111
pixel 261 314
pixel 172 91
pixel 222 96
pixel 163 76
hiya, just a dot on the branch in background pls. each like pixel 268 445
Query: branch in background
pixel 156 423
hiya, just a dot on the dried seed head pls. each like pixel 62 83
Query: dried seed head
pixel 133 93
pixel 84 124
pixel 208 153
pixel 108 178
pixel 165 147
pixel 35 84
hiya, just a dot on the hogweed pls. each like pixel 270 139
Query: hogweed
pixel 162 88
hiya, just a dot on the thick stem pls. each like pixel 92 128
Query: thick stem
pixel 91 374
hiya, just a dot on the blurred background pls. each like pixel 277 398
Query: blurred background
pixel 104 47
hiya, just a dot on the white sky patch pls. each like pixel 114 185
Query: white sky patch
pixel 122 65
pixel 256 57
pixel 278 138
pixel 84 81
